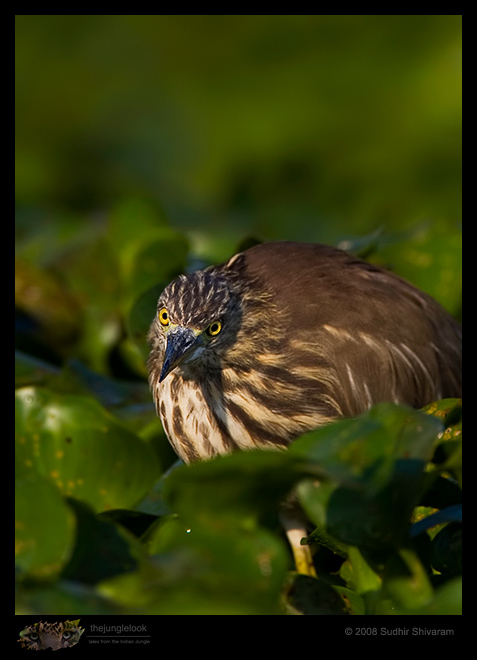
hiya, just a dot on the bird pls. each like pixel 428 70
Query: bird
pixel 285 337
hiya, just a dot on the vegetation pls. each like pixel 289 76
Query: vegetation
pixel 103 525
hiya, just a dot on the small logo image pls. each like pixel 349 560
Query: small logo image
pixel 41 636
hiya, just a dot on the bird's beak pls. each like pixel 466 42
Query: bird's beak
pixel 180 342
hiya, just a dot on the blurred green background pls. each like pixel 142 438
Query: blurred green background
pixel 146 145
pixel 296 127
pixel 149 145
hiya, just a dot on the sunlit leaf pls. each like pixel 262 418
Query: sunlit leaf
pixel 74 442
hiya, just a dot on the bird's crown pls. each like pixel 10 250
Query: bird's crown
pixel 197 299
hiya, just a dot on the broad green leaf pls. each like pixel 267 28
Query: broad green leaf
pixel 406 581
pixel 44 528
pixel 211 568
pixel 82 448
pixel 375 464
pixel 245 486
pixel 132 221
pixel 147 250
pixel 158 260
pixel 63 596
pixel 113 550
pixel 446 600
pixel 216 551
pixel 429 256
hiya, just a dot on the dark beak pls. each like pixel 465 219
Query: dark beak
pixel 180 342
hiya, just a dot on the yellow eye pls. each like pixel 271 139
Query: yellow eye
pixel 214 329
pixel 164 317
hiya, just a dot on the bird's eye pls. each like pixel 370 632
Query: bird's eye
pixel 164 317
pixel 214 329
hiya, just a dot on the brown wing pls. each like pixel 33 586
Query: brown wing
pixel 383 339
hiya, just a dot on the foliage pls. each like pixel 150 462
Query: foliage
pixel 215 545
pixel 102 523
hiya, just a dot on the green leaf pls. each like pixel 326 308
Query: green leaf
pixel 132 221
pixel 446 600
pixel 448 514
pixel 102 548
pixel 314 496
pixel 406 581
pixel 147 250
pixel 216 552
pixel 446 550
pixel 245 486
pixel 375 464
pixel 44 528
pixel 62 597
pixel 158 260
pixel 306 595
pixel 82 448
pixel 214 567
pixel 138 321
pixel 430 256
pixel 358 575
pixel 448 454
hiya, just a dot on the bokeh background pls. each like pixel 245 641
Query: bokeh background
pixel 222 128
pixel 298 127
